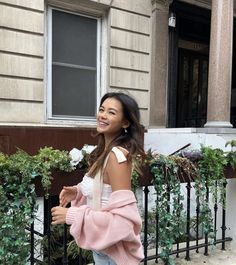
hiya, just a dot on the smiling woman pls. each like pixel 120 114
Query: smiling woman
pixel 110 204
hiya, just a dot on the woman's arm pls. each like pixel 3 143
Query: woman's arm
pixel 119 174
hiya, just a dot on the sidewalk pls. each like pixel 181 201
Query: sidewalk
pixel 215 257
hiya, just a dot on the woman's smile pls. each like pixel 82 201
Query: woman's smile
pixel 102 123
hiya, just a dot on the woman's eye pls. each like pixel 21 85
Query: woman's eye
pixel 111 112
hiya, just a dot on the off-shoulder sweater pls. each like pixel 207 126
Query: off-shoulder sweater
pixel 113 230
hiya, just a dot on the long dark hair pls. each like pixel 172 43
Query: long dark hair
pixel 131 138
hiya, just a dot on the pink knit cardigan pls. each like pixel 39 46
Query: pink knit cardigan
pixel 113 230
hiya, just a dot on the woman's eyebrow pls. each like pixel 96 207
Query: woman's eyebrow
pixel 110 109
pixel 113 109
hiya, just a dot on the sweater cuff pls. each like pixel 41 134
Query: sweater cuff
pixel 71 214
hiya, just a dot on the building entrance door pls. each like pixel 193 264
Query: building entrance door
pixel 192 89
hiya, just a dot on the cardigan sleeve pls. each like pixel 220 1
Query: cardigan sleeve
pixel 99 230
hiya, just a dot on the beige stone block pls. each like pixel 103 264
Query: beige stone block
pixel 19 42
pixel 20 66
pixel 144 117
pixel 33 4
pixel 16 111
pixel 129 21
pixel 129 79
pixel 142 97
pixel 82 6
pixel 130 60
pixel 19 89
pixel 21 19
pixel 138 6
pixel 104 2
pixel 129 40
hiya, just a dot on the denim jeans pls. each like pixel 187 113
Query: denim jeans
pixel 102 259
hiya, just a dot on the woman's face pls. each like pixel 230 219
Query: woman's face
pixel 110 118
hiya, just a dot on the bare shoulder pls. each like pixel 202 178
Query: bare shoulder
pixel 119 173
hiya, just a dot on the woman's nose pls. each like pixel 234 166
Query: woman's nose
pixel 103 115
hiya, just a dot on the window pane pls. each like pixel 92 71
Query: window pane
pixel 74 91
pixel 192 89
pixel 193 101
pixel 74 65
pixel 74 39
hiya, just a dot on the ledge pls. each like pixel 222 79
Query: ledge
pixel 189 130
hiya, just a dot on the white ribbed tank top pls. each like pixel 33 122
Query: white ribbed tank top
pixel 87 184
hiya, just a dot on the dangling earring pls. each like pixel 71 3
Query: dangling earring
pixel 125 130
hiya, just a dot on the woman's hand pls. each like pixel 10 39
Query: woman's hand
pixel 58 215
pixel 67 195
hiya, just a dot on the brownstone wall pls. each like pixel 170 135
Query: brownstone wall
pixel 31 139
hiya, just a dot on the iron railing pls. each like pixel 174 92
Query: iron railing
pixel 180 247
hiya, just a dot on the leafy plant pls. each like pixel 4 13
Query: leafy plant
pixel 17 207
pixel 18 197
pixel 47 160
pixel 205 167
pixel 211 170
pixel 231 155
pixel 167 187
pixel 56 249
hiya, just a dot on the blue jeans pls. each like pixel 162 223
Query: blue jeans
pixel 102 259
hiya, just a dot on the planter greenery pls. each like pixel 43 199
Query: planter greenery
pixel 18 197
pixel 206 168
pixel 17 192
pixel 57 249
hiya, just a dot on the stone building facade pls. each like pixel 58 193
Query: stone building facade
pixel 136 51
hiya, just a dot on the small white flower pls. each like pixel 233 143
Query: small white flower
pixel 88 148
pixel 76 156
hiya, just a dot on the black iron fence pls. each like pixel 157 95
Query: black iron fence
pixel 150 237
pixel 190 242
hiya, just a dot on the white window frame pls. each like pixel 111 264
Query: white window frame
pixel 100 72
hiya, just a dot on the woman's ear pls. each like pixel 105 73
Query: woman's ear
pixel 126 124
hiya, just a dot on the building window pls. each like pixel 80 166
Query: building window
pixel 73 70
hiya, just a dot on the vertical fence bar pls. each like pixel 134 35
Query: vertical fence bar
pixel 206 235
pixel 215 216
pixel 168 206
pixel 80 257
pixel 32 244
pixel 223 227
pixel 188 221
pixel 177 242
pixel 47 204
pixel 65 257
pixel 157 228
pixel 197 221
pixel 145 242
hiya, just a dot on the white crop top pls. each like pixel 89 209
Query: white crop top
pixel 87 184
pixel 86 187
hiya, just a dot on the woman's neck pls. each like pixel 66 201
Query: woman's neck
pixel 108 138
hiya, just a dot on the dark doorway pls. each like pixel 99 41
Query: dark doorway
pixel 188 66
pixel 192 89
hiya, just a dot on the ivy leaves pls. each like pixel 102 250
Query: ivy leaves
pixel 206 168
pixel 18 197
pixel 169 204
